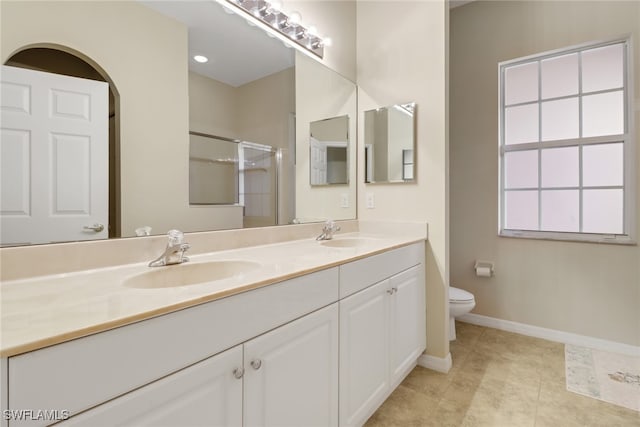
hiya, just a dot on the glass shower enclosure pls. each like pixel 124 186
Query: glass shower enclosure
pixel 225 171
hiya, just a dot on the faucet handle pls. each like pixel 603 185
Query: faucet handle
pixel 330 226
pixel 176 237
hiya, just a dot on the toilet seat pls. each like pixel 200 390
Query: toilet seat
pixel 459 296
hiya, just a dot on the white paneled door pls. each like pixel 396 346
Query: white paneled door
pixel 208 393
pixel 54 158
pixel 407 322
pixel 364 353
pixel 318 162
pixel 291 374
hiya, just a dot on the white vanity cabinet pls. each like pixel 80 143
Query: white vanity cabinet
pixel 86 372
pixel 382 334
pixel 322 349
pixel 289 377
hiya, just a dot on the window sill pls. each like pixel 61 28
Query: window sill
pixel 570 237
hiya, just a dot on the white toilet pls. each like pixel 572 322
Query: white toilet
pixel 460 302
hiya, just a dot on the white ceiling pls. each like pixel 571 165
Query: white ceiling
pixel 238 53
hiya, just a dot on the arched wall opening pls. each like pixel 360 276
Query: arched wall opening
pixel 62 60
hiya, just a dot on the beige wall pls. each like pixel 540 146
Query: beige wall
pixel 264 107
pixel 582 288
pixel 335 18
pixel 402 57
pixel 322 94
pixel 144 54
pixel 257 111
pixel 335 129
pixel 213 107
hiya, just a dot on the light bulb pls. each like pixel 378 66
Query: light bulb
pixel 327 41
pixel 275 6
pixel 295 18
pixel 201 59
pixel 312 31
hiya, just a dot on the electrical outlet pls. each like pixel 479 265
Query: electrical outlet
pixel 344 200
pixel 371 201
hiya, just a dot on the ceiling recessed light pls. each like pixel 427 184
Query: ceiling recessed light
pixel 201 59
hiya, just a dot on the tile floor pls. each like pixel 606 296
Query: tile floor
pixel 498 379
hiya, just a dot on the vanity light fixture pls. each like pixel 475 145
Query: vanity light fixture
pixel 201 59
pixel 288 25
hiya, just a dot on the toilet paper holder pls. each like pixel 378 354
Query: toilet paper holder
pixel 484 268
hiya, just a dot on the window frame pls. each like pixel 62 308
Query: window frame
pixel 627 138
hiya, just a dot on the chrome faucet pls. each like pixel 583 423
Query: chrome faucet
pixel 329 228
pixel 174 252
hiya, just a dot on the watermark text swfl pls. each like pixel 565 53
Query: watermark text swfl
pixel 35 414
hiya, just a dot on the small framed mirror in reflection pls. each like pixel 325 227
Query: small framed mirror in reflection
pixel 389 138
pixel 329 151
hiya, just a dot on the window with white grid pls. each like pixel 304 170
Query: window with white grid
pixel 565 144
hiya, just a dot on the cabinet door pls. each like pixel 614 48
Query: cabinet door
pixel 407 322
pixel 207 393
pixel 364 353
pixel 291 373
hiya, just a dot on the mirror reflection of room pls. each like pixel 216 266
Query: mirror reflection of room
pixel 329 147
pixel 389 136
pixel 252 89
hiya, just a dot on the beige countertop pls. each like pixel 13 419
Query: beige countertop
pixel 47 310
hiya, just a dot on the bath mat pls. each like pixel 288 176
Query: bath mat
pixel 614 378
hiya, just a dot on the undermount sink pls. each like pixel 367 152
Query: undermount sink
pixel 189 274
pixel 347 242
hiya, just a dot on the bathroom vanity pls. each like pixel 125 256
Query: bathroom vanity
pixel 319 333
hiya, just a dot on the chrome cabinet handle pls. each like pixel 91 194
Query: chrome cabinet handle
pixel 255 364
pixel 238 373
pixel 95 227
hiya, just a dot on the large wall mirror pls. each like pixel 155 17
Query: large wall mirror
pixel 166 125
pixel 389 138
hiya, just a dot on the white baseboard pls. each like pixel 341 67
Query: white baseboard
pixel 440 364
pixel 550 334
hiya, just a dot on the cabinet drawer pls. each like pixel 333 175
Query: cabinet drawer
pixel 80 374
pixel 363 273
